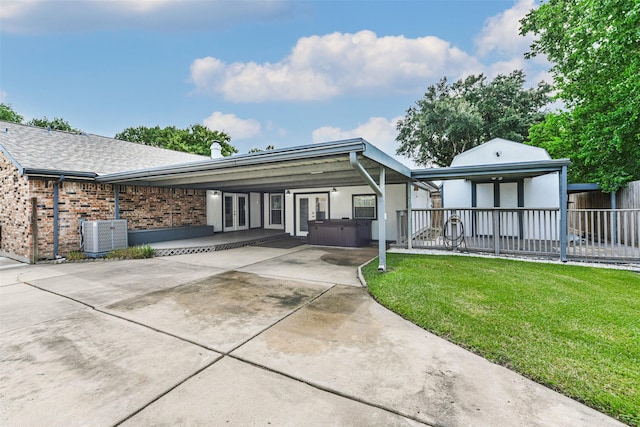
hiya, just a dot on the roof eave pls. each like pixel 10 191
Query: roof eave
pixel 53 173
pixel 260 158
pixel 538 167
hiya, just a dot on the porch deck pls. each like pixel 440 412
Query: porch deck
pixel 217 242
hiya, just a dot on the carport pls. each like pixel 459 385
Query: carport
pixel 342 163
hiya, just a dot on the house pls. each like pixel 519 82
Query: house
pixel 52 181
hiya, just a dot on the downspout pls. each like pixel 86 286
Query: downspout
pixel 116 202
pixel 56 190
pixel 380 192
pixel 563 214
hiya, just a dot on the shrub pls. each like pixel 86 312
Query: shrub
pixel 134 252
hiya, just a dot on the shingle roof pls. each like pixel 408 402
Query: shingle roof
pixel 37 148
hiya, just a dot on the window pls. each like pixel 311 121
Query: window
pixel 364 206
pixel 275 209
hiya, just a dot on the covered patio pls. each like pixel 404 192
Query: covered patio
pixel 353 162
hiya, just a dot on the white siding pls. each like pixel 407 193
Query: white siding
pixel 255 210
pixel 214 210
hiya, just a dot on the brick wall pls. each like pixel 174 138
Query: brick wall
pixel 76 201
pixel 143 207
pixel 153 207
pixel 15 211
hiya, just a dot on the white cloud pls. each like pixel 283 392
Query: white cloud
pixel 377 130
pixel 234 126
pixel 323 67
pixel 50 16
pixel 501 33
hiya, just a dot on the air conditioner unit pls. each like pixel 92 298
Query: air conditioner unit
pixel 100 237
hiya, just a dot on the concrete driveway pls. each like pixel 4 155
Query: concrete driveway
pixel 250 336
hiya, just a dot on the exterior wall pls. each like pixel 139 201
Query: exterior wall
pixel 340 205
pixel 255 210
pixel 15 212
pixel 500 151
pixel 154 207
pixel 456 193
pixel 539 192
pixel 214 209
pixel 76 201
pixel 542 191
pixel 142 207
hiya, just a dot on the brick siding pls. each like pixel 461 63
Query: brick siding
pixel 15 211
pixel 142 207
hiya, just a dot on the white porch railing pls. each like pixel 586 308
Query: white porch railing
pixel 524 231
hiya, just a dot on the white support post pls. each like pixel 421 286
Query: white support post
pixel 409 216
pixel 562 176
pixel 382 223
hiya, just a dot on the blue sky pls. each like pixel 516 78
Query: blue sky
pixel 272 72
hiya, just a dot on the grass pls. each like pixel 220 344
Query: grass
pixel 574 329
pixel 76 256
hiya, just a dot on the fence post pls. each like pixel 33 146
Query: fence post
pixel 614 218
pixel 496 231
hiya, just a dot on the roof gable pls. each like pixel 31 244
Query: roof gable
pixel 500 150
pixel 34 148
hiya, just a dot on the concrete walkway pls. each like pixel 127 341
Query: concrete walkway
pixel 249 336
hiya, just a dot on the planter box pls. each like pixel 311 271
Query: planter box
pixel 340 232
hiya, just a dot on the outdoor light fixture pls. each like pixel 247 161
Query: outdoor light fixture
pixel 334 190
pixel 288 193
pixel 215 193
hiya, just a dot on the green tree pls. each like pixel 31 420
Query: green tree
pixel 450 119
pixel 258 150
pixel 196 139
pixel 8 114
pixel 594 47
pixel 56 123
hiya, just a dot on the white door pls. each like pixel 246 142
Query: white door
pixel 486 198
pixel 310 207
pixel 235 212
pixel 484 219
pixel 509 221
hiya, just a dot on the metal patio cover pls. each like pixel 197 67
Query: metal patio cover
pixel 311 166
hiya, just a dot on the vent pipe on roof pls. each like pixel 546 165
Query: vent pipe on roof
pixel 216 150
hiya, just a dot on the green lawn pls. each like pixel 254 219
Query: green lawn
pixel 574 329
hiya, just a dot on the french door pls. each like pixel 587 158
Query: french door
pixel 310 207
pixel 236 215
